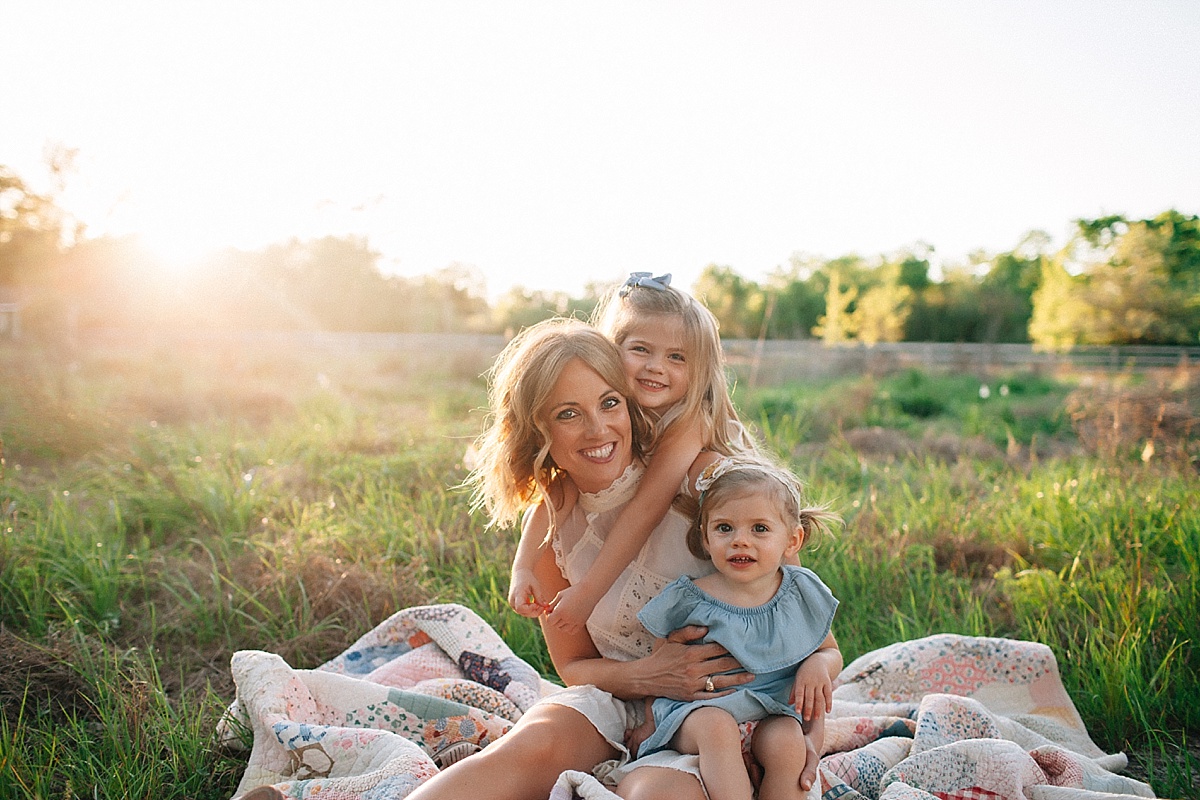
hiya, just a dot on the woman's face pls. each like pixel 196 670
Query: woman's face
pixel 590 432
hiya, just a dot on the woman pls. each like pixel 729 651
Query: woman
pixel 564 443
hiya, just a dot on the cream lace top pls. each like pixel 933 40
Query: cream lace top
pixel 613 625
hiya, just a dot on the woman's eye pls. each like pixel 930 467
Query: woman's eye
pixel 610 402
pixel 567 413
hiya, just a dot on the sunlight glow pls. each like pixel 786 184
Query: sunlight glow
pixel 553 146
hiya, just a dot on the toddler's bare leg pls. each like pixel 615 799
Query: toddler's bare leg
pixel 779 746
pixel 713 734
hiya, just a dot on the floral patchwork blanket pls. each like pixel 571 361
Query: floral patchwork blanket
pixel 947 716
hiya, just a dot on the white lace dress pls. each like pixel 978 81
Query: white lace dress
pixel 613 625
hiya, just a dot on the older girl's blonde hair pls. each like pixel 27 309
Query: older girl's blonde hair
pixel 706 402
pixel 514 470
pixel 732 476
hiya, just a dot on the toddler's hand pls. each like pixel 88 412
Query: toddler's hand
pixel 635 736
pixel 524 595
pixel 812 691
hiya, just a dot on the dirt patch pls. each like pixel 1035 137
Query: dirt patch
pixel 1158 420
pixel 39 680
pixel 888 443
pixel 880 442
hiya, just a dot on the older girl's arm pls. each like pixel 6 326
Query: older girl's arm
pixel 631 530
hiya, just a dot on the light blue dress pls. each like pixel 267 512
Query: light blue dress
pixel 769 640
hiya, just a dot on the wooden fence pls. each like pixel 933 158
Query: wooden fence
pixel 770 362
pixel 779 361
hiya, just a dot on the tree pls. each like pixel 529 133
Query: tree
pixel 519 308
pixel 799 294
pixel 31 233
pixel 883 309
pixel 738 304
pixel 1135 282
pixel 1060 317
pixel 836 325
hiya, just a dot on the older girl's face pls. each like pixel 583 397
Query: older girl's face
pixel 590 433
pixel 655 361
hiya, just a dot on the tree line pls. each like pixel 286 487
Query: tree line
pixel 1117 281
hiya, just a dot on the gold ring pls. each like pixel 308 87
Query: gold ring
pixel 708 684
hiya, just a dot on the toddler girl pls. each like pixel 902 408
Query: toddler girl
pixel 773 617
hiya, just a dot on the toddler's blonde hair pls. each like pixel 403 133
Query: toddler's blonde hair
pixel 733 476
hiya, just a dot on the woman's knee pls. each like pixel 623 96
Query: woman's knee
pixel 660 783
pixel 537 741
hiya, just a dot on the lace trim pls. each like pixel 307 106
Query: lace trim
pixel 560 558
pixel 621 491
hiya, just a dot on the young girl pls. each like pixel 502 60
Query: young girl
pixel 774 617
pixel 673 358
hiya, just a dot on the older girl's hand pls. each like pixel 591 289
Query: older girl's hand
pixel 681 670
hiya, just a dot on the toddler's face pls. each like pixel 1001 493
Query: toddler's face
pixel 748 538
pixel 655 361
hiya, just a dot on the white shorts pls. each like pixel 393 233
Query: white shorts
pixel 612 717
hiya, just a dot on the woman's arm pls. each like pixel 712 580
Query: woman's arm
pixel 632 528
pixel 676 669
pixel 525 595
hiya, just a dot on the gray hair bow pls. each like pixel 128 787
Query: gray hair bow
pixel 646 281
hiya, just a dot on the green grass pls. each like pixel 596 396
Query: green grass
pixel 159 511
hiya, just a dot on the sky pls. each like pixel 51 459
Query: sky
pixel 553 144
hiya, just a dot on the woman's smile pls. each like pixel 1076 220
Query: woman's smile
pixel 601 453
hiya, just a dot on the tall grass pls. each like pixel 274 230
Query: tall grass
pixel 160 511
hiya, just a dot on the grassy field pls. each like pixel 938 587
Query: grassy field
pixel 160 509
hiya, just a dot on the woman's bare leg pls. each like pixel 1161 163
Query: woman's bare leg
pixel 780 746
pixel 660 783
pixel 713 734
pixel 525 762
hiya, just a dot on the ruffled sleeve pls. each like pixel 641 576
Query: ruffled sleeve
pixel 671 608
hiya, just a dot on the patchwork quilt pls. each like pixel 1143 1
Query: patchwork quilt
pixel 949 717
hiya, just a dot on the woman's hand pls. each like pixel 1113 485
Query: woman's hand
pixel 681 670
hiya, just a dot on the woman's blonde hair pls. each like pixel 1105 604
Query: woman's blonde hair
pixel 706 402
pixel 732 476
pixel 514 470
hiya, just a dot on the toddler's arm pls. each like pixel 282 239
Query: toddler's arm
pixel 812 691
pixel 631 529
